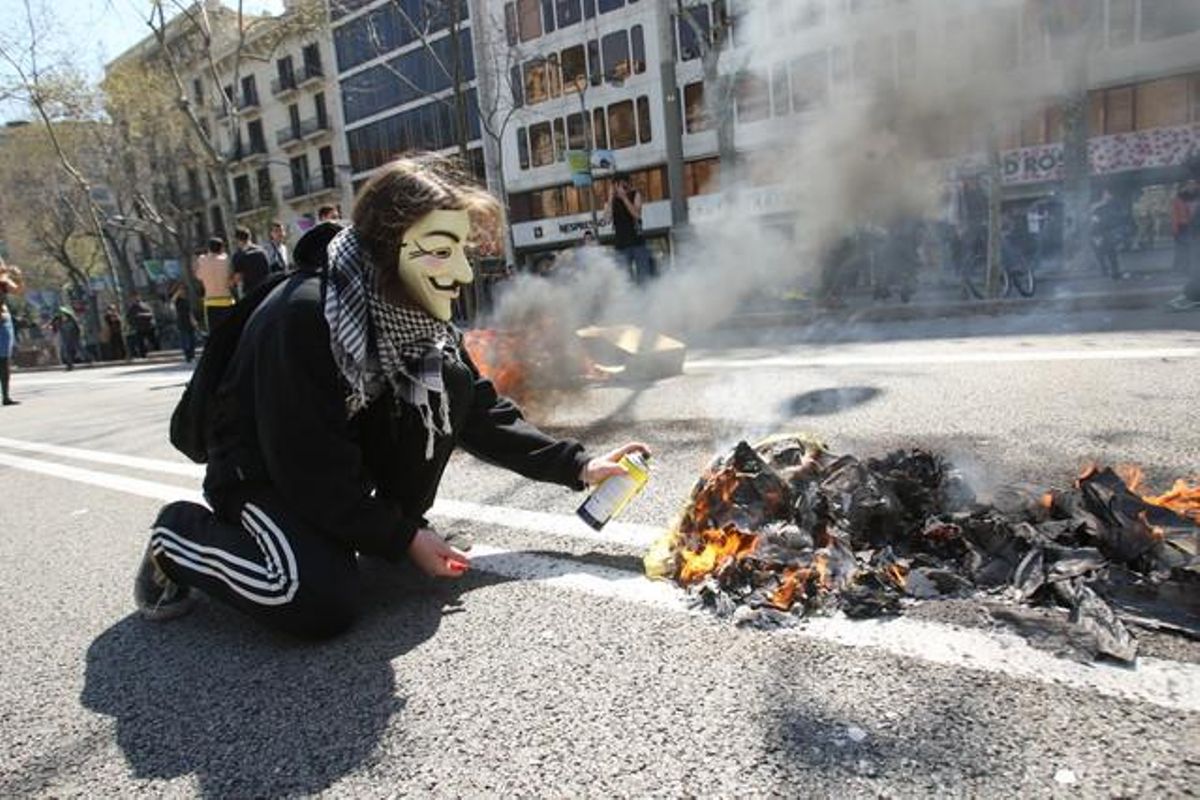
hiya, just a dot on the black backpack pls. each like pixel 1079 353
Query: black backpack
pixel 189 421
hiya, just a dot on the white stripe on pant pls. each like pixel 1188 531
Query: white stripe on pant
pixel 282 578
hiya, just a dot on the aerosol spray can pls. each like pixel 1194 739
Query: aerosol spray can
pixel 614 493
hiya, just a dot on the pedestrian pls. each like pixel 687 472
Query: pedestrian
pixel 250 265
pixel 10 283
pixel 1106 233
pixel 276 249
pixel 1183 208
pixel 1185 222
pixel 625 211
pixel 185 322
pixel 388 393
pixel 329 214
pixel 67 327
pixel 140 317
pixel 215 274
pixel 115 334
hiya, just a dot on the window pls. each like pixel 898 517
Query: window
pixel 560 140
pixel 299 170
pixel 589 9
pixel 809 86
pixel 595 69
pixel 377 89
pixel 548 15
pixel 780 93
pixel 554 75
pixel 1118 110
pixel 312 60
pixel 568 12
pixel 537 84
pixel 1165 18
pixel 294 120
pixel 1121 22
pixel 600 129
pixel 264 185
pixel 249 91
pixel 254 132
pixel 576 132
pixel 241 193
pixel 1161 103
pixel 615 47
pixel 529 19
pixel 286 72
pixel 606 6
pixel 328 172
pixel 637 41
pixel 198 90
pixel 753 100
pixel 689 42
pixel 321 111
pixel 643 119
pixel 541 144
pixel 510 24
pixel 699 177
pixel 514 83
pixel 621 126
pixel 695 118
pixel 523 148
pixel 218 221
pixel 573 62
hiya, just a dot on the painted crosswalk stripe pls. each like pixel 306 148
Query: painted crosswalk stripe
pixel 1170 684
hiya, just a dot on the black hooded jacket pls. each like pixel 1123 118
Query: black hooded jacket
pixel 279 419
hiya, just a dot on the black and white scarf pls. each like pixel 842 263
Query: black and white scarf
pixel 377 344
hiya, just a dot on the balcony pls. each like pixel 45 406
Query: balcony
pixel 283 86
pixel 255 151
pixel 250 105
pixel 314 127
pixel 248 205
pixel 313 187
pixel 309 73
pixel 290 136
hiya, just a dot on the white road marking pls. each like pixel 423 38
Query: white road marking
pixel 1170 684
pixel 884 358
pixel 631 534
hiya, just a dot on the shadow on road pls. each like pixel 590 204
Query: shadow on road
pixel 253 714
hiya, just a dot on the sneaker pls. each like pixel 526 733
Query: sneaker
pixel 8 401
pixel 1183 303
pixel 159 598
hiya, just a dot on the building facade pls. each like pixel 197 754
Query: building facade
pixel 272 111
pixel 582 75
pixel 406 76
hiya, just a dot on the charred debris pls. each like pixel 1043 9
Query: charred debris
pixel 784 529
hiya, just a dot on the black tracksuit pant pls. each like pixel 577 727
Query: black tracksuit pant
pixel 255 555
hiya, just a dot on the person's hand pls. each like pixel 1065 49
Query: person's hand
pixel 431 553
pixel 608 465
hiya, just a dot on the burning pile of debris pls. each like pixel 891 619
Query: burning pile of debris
pixel 776 531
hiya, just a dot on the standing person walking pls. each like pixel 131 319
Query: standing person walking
pixel 250 264
pixel 215 273
pixel 116 334
pixel 10 283
pixel 66 326
pixel 278 259
pixel 1105 233
pixel 185 323
pixel 141 323
pixel 625 211
pixel 1185 223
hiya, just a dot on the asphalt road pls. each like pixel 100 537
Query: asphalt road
pixel 553 669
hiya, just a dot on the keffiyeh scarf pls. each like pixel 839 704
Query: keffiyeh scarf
pixel 377 344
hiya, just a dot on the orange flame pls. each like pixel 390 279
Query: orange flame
pixel 785 595
pixel 717 548
pixel 1183 497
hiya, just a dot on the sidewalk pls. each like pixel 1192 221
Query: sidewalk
pixel 157 357
pixel 1146 285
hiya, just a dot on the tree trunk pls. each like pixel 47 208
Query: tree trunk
pixel 995 191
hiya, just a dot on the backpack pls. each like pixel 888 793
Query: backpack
pixel 189 421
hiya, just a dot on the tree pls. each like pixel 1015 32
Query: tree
pixel 55 93
pixel 211 40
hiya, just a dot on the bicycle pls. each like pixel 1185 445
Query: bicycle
pixel 1016 273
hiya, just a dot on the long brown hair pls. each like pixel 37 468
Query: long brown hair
pixel 401 193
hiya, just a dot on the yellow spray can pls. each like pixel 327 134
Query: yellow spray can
pixel 614 493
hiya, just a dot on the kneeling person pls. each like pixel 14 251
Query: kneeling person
pixel 336 416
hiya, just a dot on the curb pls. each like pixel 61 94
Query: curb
pixel 1150 298
pixel 164 357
